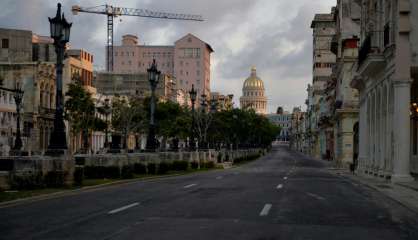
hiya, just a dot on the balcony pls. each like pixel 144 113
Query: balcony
pixel 370 59
pixel 46 112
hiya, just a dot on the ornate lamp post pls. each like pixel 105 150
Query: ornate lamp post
pixel 18 96
pixel 193 95
pixel 107 110
pixel 60 32
pixel 153 78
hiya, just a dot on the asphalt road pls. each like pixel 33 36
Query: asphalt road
pixel 283 195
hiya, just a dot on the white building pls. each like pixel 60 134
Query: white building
pixel 345 47
pixel 387 81
pixel 284 121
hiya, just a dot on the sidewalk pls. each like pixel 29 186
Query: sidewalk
pixel 404 193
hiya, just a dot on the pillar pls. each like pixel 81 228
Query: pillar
pixel 401 131
pixel 363 135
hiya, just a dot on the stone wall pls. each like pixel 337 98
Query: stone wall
pixel 42 165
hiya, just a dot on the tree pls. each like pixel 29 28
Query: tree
pixel 80 112
pixel 127 116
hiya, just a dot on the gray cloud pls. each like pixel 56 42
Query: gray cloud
pixel 273 35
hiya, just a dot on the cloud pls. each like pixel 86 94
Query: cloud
pixel 273 35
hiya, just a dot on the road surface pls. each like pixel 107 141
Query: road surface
pixel 283 195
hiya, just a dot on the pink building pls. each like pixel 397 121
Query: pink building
pixel 188 60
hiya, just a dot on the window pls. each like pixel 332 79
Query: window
pixel 5 43
pixel 198 63
pixel 198 73
pixel 181 63
pixel 121 53
pixel 181 72
pixel 133 54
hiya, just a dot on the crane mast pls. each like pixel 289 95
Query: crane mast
pixel 112 12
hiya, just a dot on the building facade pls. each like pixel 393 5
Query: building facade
pixel 187 61
pixel 284 121
pixel 253 94
pixel 387 76
pixel 324 59
pixel 345 47
pixel 134 85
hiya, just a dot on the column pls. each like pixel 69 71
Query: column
pixel 401 125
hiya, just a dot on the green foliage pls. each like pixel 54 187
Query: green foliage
pixel 28 181
pixel 180 165
pixel 78 176
pixel 164 167
pixel 80 110
pixel 194 165
pixel 208 165
pixel 127 116
pixel 127 172
pixel 54 179
pixel 152 168
pixel 140 168
pixel 97 172
pixel 246 158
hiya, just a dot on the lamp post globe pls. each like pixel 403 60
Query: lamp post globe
pixel 192 143
pixel 18 97
pixel 153 78
pixel 60 32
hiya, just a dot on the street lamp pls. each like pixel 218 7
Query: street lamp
pixel 18 97
pixel 60 32
pixel 153 78
pixel 193 95
pixel 107 110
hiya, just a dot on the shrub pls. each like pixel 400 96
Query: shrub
pixel 27 181
pixel 54 179
pixel 152 168
pixel 140 168
pixel 127 172
pixel 98 172
pixel 163 167
pixel 209 165
pixel 194 165
pixel 112 172
pixel 94 172
pixel 180 165
pixel 78 176
pixel 226 158
pixel 219 158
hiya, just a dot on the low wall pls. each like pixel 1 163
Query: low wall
pixel 42 165
pixel 122 159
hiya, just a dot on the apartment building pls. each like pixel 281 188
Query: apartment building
pixel 187 61
pixel 387 80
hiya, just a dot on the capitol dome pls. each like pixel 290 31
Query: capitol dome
pixel 253 81
pixel 253 94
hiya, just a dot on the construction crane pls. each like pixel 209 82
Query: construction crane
pixel 113 12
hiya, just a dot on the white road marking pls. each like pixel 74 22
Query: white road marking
pixel 285 178
pixel 315 196
pixel 266 209
pixel 190 185
pixel 123 208
pixel 219 177
pixel 279 186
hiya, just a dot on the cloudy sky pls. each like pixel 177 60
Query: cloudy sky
pixel 273 35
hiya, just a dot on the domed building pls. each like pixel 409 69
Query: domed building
pixel 253 94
